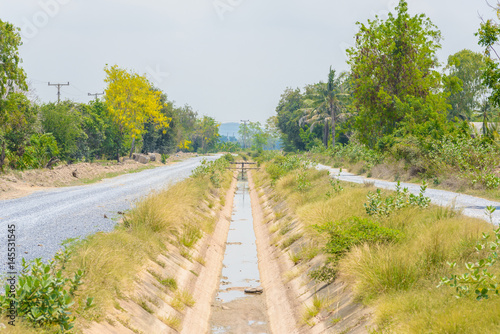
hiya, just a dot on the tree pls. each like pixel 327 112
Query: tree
pixel 258 135
pixel 489 36
pixel 289 112
pixel 12 77
pixel 157 140
pixel 132 101
pixel 393 70
pixel 324 104
pixel 273 131
pixel 244 132
pixel 64 121
pixel 17 131
pixel 316 113
pixel 467 66
pixel 206 135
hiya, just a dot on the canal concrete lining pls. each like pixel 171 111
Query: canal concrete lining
pixel 281 304
pixel 197 318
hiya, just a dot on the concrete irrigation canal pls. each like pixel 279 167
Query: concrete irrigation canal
pixel 234 309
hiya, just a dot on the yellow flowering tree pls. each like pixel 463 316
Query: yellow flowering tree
pixel 133 101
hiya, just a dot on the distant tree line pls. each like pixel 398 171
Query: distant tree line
pixel 133 116
pixel 396 105
pixel 395 90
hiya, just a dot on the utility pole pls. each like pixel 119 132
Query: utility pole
pixel 96 95
pixel 58 85
pixel 245 133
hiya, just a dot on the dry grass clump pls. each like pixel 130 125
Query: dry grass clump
pixel 173 322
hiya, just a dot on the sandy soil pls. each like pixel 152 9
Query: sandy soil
pixel 245 315
pixel 15 184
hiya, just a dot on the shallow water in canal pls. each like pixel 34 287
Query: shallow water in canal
pixel 234 311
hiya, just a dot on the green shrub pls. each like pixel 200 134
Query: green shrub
pixel 344 235
pixel 355 231
pixel 474 159
pixel 41 148
pixel 376 205
pixel 478 278
pixel 283 165
pixel 43 295
pixel 212 169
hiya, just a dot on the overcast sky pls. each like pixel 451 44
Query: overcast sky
pixel 230 59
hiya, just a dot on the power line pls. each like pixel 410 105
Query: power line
pixel 58 85
pixel 96 95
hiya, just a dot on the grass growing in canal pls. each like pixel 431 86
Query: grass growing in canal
pixel 393 262
pixel 173 322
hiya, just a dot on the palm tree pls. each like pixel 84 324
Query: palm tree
pixel 325 103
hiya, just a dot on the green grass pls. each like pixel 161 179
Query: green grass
pixel 181 300
pixel 111 175
pixel 173 322
pixel 290 240
pixel 146 307
pixel 169 282
pixel 311 311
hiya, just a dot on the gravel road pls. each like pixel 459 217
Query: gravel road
pixel 44 219
pixel 471 206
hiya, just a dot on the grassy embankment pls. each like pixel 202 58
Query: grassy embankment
pixel 168 221
pixel 392 262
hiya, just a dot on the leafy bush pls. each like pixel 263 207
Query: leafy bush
pixel 43 295
pixel 41 148
pixel 478 278
pixel 401 199
pixel 474 159
pixel 212 169
pixel 355 231
pixel 283 165
pixel 344 235
pixel 353 153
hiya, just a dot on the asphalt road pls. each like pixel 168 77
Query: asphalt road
pixel 471 206
pixel 44 219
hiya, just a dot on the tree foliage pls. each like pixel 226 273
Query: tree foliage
pixel 323 102
pixel 393 68
pixel 12 78
pixel 64 121
pixel 289 112
pixel 466 66
pixel 132 101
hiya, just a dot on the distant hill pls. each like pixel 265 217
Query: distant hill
pixel 229 128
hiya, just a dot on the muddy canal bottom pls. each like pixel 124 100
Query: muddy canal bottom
pixel 233 310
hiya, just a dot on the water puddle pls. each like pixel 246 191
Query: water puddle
pixel 235 311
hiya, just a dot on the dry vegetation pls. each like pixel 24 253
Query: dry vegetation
pixel 397 279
